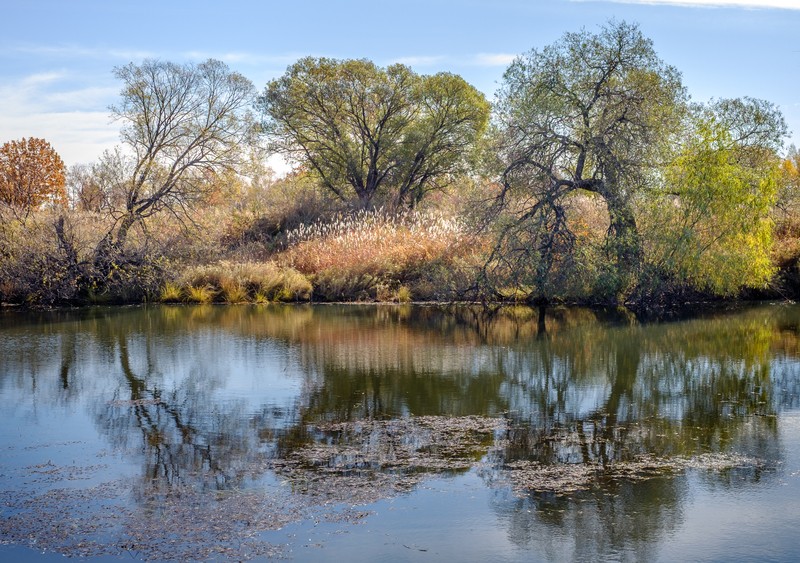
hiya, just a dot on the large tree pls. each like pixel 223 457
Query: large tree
pixel 31 174
pixel 591 112
pixel 181 125
pixel 370 132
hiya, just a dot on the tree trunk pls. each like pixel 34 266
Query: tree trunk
pixel 109 249
pixel 625 245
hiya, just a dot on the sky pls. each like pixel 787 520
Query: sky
pixel 57 56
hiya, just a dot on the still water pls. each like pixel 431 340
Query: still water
pixel 399 433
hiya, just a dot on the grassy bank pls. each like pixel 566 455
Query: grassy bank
pixel 300 247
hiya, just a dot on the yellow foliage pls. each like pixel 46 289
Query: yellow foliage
pixel 713 229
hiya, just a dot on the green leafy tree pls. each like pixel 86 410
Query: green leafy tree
pixel 372 133
pixel 711 227
pixel 592 112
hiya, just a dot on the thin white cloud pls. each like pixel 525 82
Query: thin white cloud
pixel 72 51
pixel 494 59
pixel 420 60
pixel 125 55
pixel 749 4
pixel 42 78
pixel 243 58
pixel 71 116
pixel 480 59
pixel 79 136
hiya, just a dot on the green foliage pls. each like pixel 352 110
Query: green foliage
pixel 591 112
pixel 712 227
pixel 373 133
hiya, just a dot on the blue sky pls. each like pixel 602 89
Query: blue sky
pixel 57 56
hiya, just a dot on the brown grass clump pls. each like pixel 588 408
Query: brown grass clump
pixel 240 282
pixel 171 293
pixel 200 294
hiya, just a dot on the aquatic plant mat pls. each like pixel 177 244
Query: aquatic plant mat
pixel 331 475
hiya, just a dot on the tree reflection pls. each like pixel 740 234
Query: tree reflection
pixel 381 390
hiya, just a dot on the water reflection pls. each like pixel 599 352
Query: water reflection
pixel 215 398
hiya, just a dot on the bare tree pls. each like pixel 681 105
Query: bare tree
pixel 181 125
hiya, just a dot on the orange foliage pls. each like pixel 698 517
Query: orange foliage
pixel 31 173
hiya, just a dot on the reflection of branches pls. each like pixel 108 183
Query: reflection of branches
pixel 567 425
pixel 182 446
pixel 628 519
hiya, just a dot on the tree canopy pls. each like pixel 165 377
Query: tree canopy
pixel 710 225
pixel 31 174
pixel 589 112
pixel 370 132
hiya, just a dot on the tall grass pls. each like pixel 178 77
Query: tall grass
pixel 373 254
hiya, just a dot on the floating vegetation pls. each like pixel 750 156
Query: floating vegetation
pixel 565 478
pixel 366 460
pixel 135 402
pixel 329 477
pixel 184 525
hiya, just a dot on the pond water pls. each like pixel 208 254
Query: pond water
pixel 399 433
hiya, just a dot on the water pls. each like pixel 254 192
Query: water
pixel 399 433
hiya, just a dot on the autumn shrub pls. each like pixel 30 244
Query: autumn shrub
pixel 372 254
pixel 46 257
pixel 256 224
pixel 786 252
pixel 35 266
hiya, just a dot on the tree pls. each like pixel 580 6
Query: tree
pixel 790 186
pixel 181 125
pixel 592 113
pixel 369 132
pixel 85 190
pixel 31 174
pixel 710 227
